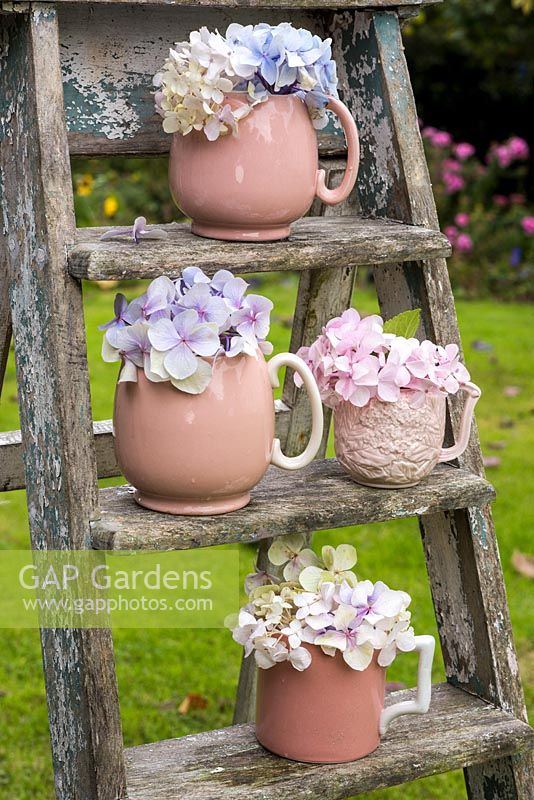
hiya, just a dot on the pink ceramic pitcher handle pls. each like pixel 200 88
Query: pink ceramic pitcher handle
pixel 425 646
pixel 333 196
pixel 473 396
pixel 316 435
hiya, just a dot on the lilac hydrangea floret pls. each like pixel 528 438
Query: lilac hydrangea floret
pixel 178 327
pixel 139 230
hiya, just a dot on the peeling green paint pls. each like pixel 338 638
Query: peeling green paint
pixel 108 59
pixel 478 526
pixel 362 89
pixel 105 109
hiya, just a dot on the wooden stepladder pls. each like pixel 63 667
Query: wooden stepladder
pixel 75 77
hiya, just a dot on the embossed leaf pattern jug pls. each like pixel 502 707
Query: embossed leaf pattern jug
pixel 252 186
pixel 389 445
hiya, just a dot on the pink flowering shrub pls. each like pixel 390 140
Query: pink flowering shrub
pixel 357 359
pixel 484 212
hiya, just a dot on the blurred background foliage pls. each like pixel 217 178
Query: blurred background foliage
pixel 113 191
pixel 472 68
pixel 485 212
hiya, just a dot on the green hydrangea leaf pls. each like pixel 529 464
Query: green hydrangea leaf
pixel 404 324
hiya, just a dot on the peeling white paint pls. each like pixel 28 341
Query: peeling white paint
pixel 100 97
pixel 512 661
pixel 108 59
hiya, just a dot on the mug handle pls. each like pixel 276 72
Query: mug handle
pixel 296 363
pixel 333 196
pixel 473 396
pixel 425 646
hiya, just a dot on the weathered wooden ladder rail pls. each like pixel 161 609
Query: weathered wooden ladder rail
pixel 98 59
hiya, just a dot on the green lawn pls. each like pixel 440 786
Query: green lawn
pixel 156 669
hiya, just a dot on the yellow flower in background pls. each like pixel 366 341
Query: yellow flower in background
pixel 85 185
pixel 106 286
pixel 111 205
pixel 526 6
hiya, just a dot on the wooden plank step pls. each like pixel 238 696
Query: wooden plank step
pixel 379 4
pixel 314 243
pixel 315 498
pixel 229 764
pixel 12 463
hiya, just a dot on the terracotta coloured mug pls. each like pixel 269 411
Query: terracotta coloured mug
pixel 330 713
pixel 202 454
pixel 390 445
pixel 252 186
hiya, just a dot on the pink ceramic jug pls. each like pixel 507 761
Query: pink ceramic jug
pixel 252 186
pixel 202 454
pixel 330 713
pixel 390 445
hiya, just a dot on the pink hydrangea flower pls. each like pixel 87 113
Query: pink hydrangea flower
pixel 355 384
pixel 464 150
pixel 500 200
pixel 391 379
pixel 451 232
pixel 349 331
pixel 448 373
pixel 436 369
pixel 462 220
pixel 527 223
pixel 451 165
pixel 453 183
pixel 354 361
pixel 464 243
pixel 518 148
pixel 441 139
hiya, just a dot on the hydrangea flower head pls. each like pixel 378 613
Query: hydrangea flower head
pixel 257 60
pixel 320 606
pixel 177 328
pixel 464 150
pixel 354 361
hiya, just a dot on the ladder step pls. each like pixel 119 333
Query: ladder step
pixel 285 4
pixel 12 463
pixel 315 242
pixel 317 497
pixel 229 764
